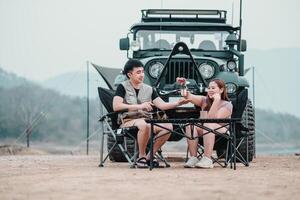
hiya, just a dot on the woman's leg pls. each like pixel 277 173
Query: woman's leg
pixel 192 143
pixel 209 139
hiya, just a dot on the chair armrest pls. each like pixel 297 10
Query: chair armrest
pixel 111 114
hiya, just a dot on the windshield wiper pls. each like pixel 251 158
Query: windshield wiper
pixel 156 49
pixel 193 49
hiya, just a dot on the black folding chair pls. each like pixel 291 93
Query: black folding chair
pixel 118 138
pixel 221 158
pixel 122 142
pixel 223 153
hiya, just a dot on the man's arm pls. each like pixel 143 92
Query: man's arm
pixel 161 104
pixel 118 105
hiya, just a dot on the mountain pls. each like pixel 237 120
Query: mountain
pixel 75 84
pixel 9 80
pixel 276 72
pixel 62 119
pixel 276 75
pixel 52 117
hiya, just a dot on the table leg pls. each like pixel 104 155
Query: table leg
pixel 231 145
pixel 234 147
pixel 151 146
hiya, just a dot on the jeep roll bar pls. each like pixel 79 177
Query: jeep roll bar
pixel 183 15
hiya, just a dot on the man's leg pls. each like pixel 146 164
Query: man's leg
pixel 162 136
pixel 142 136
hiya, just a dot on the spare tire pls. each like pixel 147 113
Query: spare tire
pixel 248 121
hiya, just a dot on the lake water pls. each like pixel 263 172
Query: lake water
pixel 277 151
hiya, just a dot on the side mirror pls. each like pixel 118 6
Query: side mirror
pixel 243 45
pixel 124 44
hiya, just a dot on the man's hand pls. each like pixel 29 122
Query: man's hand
pixel 147 106
pixel 182 101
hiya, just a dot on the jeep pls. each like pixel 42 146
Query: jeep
pixel 198 45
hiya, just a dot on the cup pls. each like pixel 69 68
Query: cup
pixel 203 114
pixel 183 92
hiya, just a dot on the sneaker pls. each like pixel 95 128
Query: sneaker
pixel 205 162
pixel 191 162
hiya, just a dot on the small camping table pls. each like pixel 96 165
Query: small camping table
pixel 231 137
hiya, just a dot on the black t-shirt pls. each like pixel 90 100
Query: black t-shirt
pixel 121 92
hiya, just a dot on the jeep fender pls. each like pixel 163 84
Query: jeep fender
pixel 229 77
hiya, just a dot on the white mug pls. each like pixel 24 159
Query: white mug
pixel 203 114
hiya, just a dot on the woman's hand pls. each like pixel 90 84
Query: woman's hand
pixel 188 93
pixel 216 97
pixel 182 101
pixel 181 80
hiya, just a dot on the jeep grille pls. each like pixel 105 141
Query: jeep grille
pixel 180 68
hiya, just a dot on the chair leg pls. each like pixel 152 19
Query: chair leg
pixel 110 150
pixel 247 152
pixel 125 153
pixel 135 153
pixel 162 158
pixel 200 151
pixel 101 146
pixel 187 154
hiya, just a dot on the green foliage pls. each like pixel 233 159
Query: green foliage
pixel 9 80
pixel 62 119
pixel 277 128
pixel 53 117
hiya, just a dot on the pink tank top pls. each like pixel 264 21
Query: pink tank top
pixel 224 104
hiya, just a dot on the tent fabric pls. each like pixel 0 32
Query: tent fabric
pixel 108 74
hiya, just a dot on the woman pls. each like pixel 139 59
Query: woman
pixel 217 105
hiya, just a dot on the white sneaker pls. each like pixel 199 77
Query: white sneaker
pixel 205 162
pixel 191 162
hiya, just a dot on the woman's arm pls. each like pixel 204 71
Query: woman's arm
pixel 195 99
pixel 223 113
pixel 216 111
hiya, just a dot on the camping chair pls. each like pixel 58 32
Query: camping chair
pixel 242 129
pixel 220 143
pixel 224 157
pixel 118 138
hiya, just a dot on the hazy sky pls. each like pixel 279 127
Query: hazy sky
pixel 43 38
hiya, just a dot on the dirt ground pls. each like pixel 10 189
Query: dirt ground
pixel 79 177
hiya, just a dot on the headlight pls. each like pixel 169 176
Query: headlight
pixel 135 45
pixel 231 88
pixel 206 70
pixel 155 69
pixel 231 65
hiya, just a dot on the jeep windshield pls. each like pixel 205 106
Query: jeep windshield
pixel 195 40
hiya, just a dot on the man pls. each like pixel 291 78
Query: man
pixel 134 95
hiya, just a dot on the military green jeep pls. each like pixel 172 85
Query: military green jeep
pixel 197 45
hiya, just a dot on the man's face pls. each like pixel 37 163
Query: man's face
pixel 137 75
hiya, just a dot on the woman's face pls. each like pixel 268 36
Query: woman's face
pixel 213 89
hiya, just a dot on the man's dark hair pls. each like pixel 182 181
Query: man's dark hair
pixel 130 64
